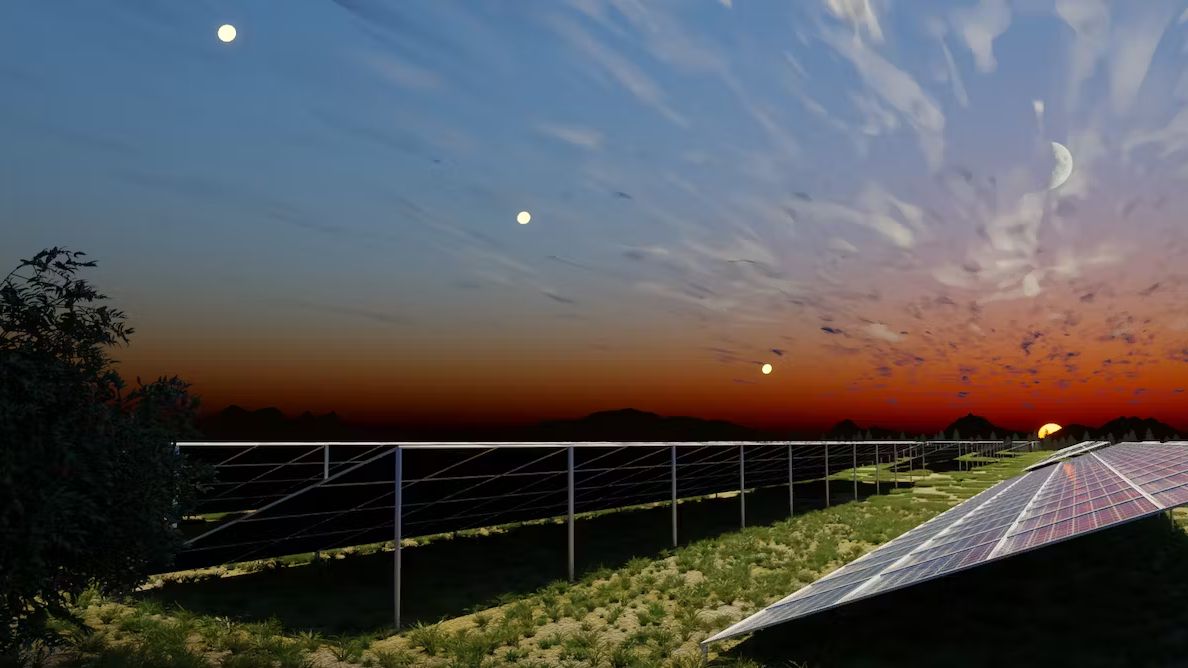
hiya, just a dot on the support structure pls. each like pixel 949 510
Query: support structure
pixel 397 491
pixel 674 497
pixel 876 468
pixel 854 469
pixel 826 475
pixel 742 488
pixel 791 492
pixel 569 515
pixel 325 476
pixel 895 468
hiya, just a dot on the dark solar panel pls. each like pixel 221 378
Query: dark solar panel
pixel 252 475
pixel 302 497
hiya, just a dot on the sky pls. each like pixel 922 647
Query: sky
pixel 321 214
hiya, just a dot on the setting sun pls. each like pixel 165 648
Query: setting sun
pixel 1049 429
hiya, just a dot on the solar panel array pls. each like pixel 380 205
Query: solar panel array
pixel 304 497
pixel 1042 507
pixel 251 475
pixel 1065 453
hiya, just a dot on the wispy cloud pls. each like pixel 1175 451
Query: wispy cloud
pixel 860 14
pixel 619 68
pixel 573 134
pixel 979 26
pixel 882 332
pixel 401 72
pixel 899 90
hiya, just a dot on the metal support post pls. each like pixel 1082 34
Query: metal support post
pixel 569 518
pixel 895 469
pixel 674 498
pixel 826 475
pixel 876 468
pixel 854 469
pixel 791 493
pixel 397 491
pixel 742 489
pixel 325 477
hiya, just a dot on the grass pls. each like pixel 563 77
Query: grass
pixel 641 603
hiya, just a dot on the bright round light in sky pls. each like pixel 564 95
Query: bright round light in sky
pixel 1049 429
pixel 227 32
pixel 766 369
pixel 523 217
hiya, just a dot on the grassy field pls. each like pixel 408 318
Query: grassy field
pixel 493 598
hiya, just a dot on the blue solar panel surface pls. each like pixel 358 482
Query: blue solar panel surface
pixel 1042 507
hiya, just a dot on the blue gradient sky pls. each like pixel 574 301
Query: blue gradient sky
pixel 322 214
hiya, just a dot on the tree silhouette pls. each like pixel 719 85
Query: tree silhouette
pixel 91 488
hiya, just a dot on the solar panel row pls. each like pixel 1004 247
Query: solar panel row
pixel 1097 490
pixel 1066 453
pixel 452 486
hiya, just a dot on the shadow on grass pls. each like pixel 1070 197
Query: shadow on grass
pixel 448 577
pixel 1115 598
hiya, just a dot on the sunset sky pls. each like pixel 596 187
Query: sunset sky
pixel 321 214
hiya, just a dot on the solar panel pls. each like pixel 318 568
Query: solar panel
pixel 1160 470
pixel 300 497
pixel 1070 451
pixel 296 497
pixel 251 475
pixel 1095 491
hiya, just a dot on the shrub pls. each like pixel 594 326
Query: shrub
pixel 90 486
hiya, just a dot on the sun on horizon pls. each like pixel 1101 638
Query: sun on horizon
pixel 1049 429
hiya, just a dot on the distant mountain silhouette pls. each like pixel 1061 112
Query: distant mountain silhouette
pixel 1123 428
pixel 976 427
pixel 1078 432
pixel 629 424
pixel 1139 427
pixel 234 423
pixel 847 430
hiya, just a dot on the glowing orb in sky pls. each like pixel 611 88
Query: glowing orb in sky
pixel 227 33
pixel 523 217
pixel 1049 429
pixel 1063 168
pixel 766 369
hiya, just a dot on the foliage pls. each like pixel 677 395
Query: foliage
pixel 90 485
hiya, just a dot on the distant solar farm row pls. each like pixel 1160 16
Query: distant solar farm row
pixel 287 498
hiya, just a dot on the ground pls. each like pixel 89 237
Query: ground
pixel 490 598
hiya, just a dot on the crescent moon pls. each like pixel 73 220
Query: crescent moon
pixel 1063 168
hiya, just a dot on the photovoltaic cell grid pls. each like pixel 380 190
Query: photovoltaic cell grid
pixel 1070 451
pixel 829 590
pixel 1160 471
pixel 453 486
pixel 1095 491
